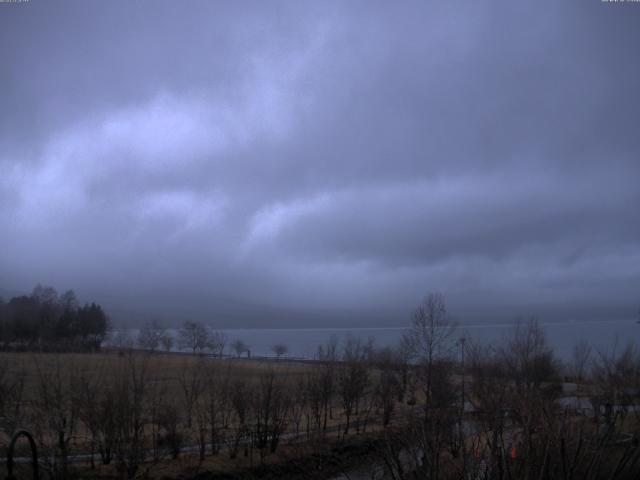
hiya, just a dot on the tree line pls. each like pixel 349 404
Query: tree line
pixel 502 411
pixel 45 321
pixel 439 406
pixel 192 336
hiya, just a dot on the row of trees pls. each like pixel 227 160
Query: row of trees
pixel 136 408
pixel 46 320
pixel 494 411
pixel 132 410
pixel 194 337
pixel 441 408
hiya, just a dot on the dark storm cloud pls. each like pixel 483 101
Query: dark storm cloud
pixel 317 156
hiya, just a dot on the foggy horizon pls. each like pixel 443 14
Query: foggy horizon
pixel 290 164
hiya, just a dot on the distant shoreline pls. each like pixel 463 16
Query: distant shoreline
pixel 459 325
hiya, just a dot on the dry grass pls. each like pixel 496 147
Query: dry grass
pixel 160 368
pixel 164 371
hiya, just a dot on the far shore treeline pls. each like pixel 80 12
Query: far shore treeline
pixel 46 321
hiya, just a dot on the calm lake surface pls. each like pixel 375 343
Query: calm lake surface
pixel 603 336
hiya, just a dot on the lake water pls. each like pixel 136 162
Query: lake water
pixel 602 336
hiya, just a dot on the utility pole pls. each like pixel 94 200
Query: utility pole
pixel 462 343
pixel 461 419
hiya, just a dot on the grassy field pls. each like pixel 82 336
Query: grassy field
pixel 153 415
pixel 181 397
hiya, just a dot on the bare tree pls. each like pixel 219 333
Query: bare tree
pixel 56 411
pixel 217 399
pixel 157 398
pixel 170 433
pixel 389 387
pixel 617 372
pixel 328 358
pixel 217 343
pixel 429 346
pixel 279 349
pixel 525 433
pixel 193 336
pixel 299 404
pixel 402 363
pixel 532 373
pixel 431 340
pixel 580 360
pixel 241 401
pixel 191 380
pixel 353 378
pixel 167 342
pixel 121 339
pixel 12 411
pixel 129 406
pixel 150 336
pixel 239 347
pixel 270 404
pixel 87 392
pixel 527 356
pixel 97 394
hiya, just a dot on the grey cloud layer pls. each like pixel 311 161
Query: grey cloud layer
pixel 321 156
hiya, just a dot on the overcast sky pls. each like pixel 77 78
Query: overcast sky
pixel 322 161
